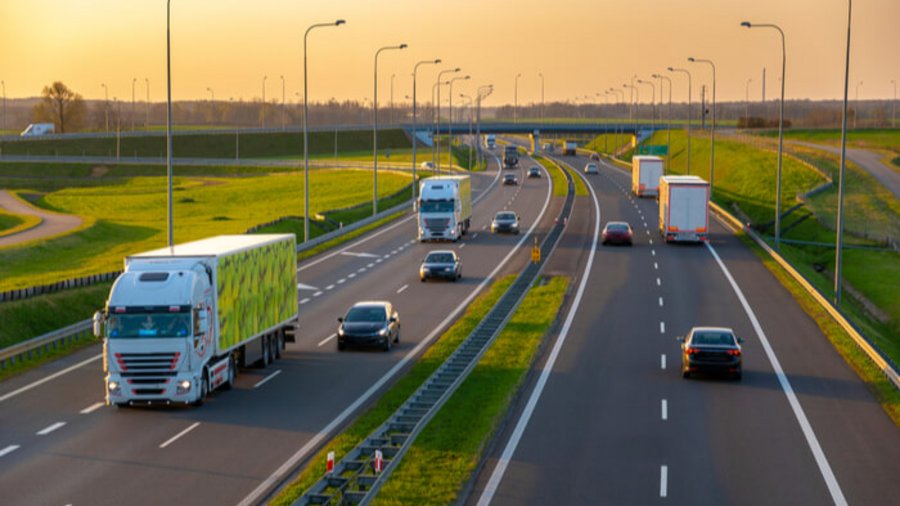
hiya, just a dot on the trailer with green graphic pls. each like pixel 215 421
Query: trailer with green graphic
pixel 181 321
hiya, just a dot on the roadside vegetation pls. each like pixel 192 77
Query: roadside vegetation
pixel 396 395
pixel 875 138
pixel 130 216
pixel 560 185
pixel 11 223
pixel 447 452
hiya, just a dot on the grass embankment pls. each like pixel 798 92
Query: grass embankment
pixel 611 143
pixel 128 217
pixel 11 223
pixel 397 394
pixel 876 138
pixel 212 145
pixel 448 450
pixel 885 391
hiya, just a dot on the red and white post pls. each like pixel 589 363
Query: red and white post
pixel 379 462
pixel 329 464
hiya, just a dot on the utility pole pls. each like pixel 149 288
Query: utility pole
pixel 147 112
pixel 703 107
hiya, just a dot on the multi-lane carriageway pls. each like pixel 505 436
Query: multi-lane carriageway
pixel 606 419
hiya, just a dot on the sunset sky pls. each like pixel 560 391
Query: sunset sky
pixel 581 46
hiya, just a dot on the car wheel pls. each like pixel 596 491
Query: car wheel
pixel 685 373
pixel 738 375
pixel 397 337
pixel 386 345
pixel 340 345
pixel 422 279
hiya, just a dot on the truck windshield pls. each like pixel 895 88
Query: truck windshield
pixel 137 325
pixel 436 206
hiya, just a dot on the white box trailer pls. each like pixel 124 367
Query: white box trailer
pixel 645 174
pixel 180 321
pixel 445 208
pixel 683 208
pixel 36 129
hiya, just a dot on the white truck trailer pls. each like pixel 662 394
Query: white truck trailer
pixel 36 129
pixel 180 321
pixel 683 208
pixel 445 208
pixel 490 141
pixel 570 148
pixel 645 174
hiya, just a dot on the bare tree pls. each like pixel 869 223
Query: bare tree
pixel 62 107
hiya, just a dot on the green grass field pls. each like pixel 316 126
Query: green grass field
pixel 451 446
pixel 8 222
pixel 250 145
pixel 877 138
pixel 130 216
pixel 610 143
pixel 375 415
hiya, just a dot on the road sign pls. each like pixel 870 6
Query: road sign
pixel 535 252
pixel 654 149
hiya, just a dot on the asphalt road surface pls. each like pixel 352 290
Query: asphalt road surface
pixel 613 422
pixel 60 445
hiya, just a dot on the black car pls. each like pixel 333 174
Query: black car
pixel 534 172
pixel 510 179
pixel 505 221
pixel 373 323
pixel 595 157
pixel 711 349
pixel 441 264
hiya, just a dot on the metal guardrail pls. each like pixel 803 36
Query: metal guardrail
pixel 354 479
pixel 50 341
pixel 870 349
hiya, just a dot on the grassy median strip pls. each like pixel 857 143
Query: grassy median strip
pixel 397 394
pixel 560 188
pixel 448 450
pixel 885 391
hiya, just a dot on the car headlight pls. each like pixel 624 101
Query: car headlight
pixel 383 332
pixel 341 330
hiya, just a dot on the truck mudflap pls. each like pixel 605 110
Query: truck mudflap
pixel 219 373
pixel 291 331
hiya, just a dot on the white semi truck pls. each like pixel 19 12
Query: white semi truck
pixel 645 174
pixel 445 208
pixel 490 141
pixel 180 321
pixel 683 208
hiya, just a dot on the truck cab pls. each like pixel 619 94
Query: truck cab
pixel 510 156
pixel 158 333
pixel 445 207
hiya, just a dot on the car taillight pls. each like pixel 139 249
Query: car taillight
pixel 734 353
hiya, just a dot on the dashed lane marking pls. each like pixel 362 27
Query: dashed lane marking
pixel 9 449
pixel 267 378
pixel 317 294
pixel 51 428
pixel 662 361
pixel 93 407
pixel 180 434
pixel 329 338
pixel 404 287
pixel 664 407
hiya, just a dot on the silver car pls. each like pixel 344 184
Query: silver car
pixel 591 168
pixel 505 221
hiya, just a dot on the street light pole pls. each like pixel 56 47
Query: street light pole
pixel 415 138
pixel 169 118
pixel 282 103
pixel 652 102
pixel 3 83
pixel 391 120
pixel 306 128
pixel 840 212
pixel 147 112
pixel 483 92
pixel 635 95
pixel 212 104
pixel 375 130
pixel 712 144
pixel 747 103
pixel 894 106
pixel 106 106
pixel 780 128
pixel 450 123
pixel 437 117
pixel 541 75
pixel 621 100
pixel 690 117
pixel 466 97
pixel 668 117
pixel 516 100
pixel 133 82
pixel 856 112
pixel 263 112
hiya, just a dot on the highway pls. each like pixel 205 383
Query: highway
pixel 60 445
pixel 608 419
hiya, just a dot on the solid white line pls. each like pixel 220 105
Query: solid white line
pixel 329 338
pixel 658 282
pixel 663 481
pixel 48 430
pixel 506 457
pixel 267 378
pixel 176 436
pixel 824 467
pixel 48 378
pixel 662 327
pixel 93 407
pixel 9 449
pixel 665 409
pixel 662 361
pixel 660 302
pixel 314 442
pixel 404 287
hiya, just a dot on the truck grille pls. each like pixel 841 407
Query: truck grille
pixel 148 364
pixel 437 224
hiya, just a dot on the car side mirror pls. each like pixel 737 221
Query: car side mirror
pixel 341 319
pixel 99 322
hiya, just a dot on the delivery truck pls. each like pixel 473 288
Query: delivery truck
pixel 683 208
pixel 645 174
pixel 510 156
pixel 490 141
pixel 180 322
pixel 445 208
pixel 570 148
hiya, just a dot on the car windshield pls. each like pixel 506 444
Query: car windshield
pixel 436 206
pixel 137 325
pixel 366 314
pixel 439 258
pixel 713 338
pixel 617 227
pixel 505 216
pixel 510 176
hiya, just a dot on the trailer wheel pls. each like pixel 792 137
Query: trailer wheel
pixel 279 344
pixel 266 352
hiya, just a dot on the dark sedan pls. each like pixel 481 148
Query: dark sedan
pixel 505 221
pixel 711 349
pixel 510 179
pixel 441 264
pixel 618 232
pixel 534 172
pixel 374 323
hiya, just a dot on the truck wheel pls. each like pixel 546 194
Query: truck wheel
pixel 204 389
pixel 279 344
pixel 229 382
pixel 266 352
